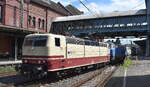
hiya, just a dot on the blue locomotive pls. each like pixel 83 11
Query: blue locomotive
pixel 117 53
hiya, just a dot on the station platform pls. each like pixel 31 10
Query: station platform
pixel 10 62
pixel 137 75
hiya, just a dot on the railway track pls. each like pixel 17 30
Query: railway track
pixel 98 79
pixel 7 74
pixel 83 81
pixel 95 78
pixel 105 79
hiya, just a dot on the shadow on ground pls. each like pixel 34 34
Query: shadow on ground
pixel 141 58
pixel 131 81
pixel 11 79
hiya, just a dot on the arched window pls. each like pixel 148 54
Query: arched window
pixel 39 23
pixel 34 22
pixel 1 12
pixel 29 20
pixel 43 24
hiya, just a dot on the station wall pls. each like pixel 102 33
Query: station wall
pixel 5 46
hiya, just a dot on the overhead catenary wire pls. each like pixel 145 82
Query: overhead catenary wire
pixel 96 15
pixel 96 8
pixel 140 3
pixel 89 8
pixel 85 6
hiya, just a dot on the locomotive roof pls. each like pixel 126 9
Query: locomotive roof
pixel 62 36
pixel 44 35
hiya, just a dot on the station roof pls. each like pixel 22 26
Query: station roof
pixel 58 7
pixel 52 5
pixel 112 14
pixel 140 42
pixel 73 10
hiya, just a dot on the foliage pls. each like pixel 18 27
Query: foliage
pixel 127 62
pixel 7 69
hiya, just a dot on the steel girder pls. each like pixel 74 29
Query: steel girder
pixel 132 24
pixel 103 25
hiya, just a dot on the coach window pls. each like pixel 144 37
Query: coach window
pixel 57 42
pixel 87 43
pixel 97 44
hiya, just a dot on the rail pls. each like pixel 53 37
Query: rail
pixel 105 76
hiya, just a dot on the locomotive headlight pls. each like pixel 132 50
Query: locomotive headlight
pixel 25 61
pixel 44 61
pixel 39 62
pixel 39 68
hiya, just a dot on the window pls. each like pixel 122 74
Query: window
pixel 57 42
pixel 29 20
pixel 39 23
pixel 28 42
pixel 70 40
pixel 74 41
pixel 87 42
pixel 1 13
pixel 43 24
pixel 34 22
pixel 38 41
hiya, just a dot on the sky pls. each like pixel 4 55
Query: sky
pixel 105 6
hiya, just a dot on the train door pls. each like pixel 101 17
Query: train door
pixel 58 50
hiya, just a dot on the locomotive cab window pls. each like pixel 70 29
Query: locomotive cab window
pixel 38 41
pixel 57 42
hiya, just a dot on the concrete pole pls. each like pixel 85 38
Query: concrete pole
pixel 148 46
pixel 148 15
pixel 148 27
pixel 16 49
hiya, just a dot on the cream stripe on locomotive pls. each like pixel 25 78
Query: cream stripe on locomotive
pixel 43 58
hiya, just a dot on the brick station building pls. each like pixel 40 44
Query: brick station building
pixel 19 18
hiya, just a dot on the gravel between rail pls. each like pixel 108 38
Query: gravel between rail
pixel 98 79
pixel 90 79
